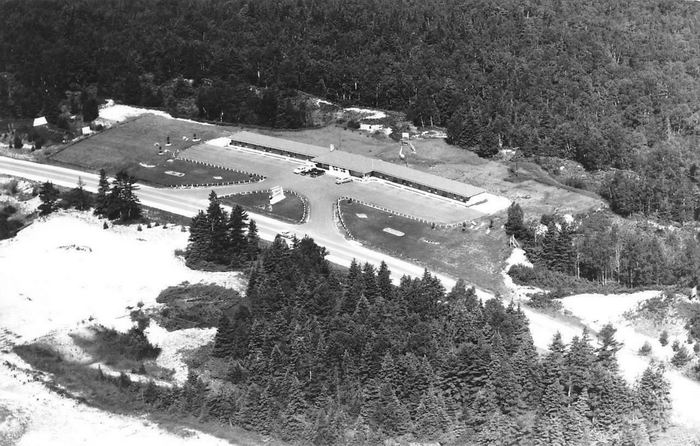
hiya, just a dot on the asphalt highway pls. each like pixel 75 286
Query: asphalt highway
pixel 183 202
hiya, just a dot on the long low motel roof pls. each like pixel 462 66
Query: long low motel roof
pixel 358 163
pixel 366 166
pixel 278 143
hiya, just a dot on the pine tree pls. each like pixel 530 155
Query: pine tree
pixel 389 415
pixel 577 426
pixel 292 419
pixel 102 199
pixel 371 291
pixel 653 399
pixel 388 373
pixel 431 416
pixel 237 243
pixel 549 431
pixel 484 405
pixel 253 240
pixel 199 243
pixel 499 430
pixel 218 230
pixel 223 340
pixel 362 309
pixel 354 288
pixel 579 361
pixel 515 225
pixel 78 198
pixel 609 346
pixel 384 283
pixel 240 332
pixel 48 194
pixel 122 202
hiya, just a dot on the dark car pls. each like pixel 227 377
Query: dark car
pixel 313 173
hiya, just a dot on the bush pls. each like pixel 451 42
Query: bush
pixel 577 182
pixel 675 345
pixel 645 349
pixel 545 301
pixel 113 347
pixel 11 187
pixel 663 338
pixel 105 225
pixel 195 305
pixel 681 358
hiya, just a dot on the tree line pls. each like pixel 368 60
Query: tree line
pixel 115 201
pixel 600 248
pixel 314 355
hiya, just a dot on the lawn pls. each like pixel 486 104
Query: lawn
pixel 472 254
pixel 195 174
pixel 127 145
pixel 291 209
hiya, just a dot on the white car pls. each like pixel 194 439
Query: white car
pixel 301 169
pixel 343 180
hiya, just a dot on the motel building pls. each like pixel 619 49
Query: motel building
pixel 341 164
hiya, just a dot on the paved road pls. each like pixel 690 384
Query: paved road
pixel 188 201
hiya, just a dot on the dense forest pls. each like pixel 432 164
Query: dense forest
pixel 594 81
pixel 316 356
pixel 608 84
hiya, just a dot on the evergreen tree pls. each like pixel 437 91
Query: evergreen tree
pixel 579 361
pixel 431 416
pixel 607 352
pixel 499 430
pixel 252 240
pixel 223 340
pixel 371 290
pixel 515 225
pixel 77 197
pixel 484 405
pixel 389 414
pixel 292 419
pixel 577 426
pixel 199 242
pixel 122 202
pixel 354 288
pixel 102 200
pixel 237 243
pixel 384 283
pixel 218 231
pixel 653 399
pixel 549 431
pixel 48 194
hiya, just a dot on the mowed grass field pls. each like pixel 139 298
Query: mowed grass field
pixel 472 254
pixel 291 209
pixel 127 145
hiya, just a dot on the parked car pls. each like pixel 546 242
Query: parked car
pixel 302 170
pixel 313 173
pixel 343 180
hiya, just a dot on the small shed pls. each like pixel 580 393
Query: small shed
pixel 40 121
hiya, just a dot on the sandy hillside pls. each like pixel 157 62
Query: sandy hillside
pixel 596 310
pixel 58 274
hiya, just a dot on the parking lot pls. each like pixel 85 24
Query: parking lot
pixel 322 192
